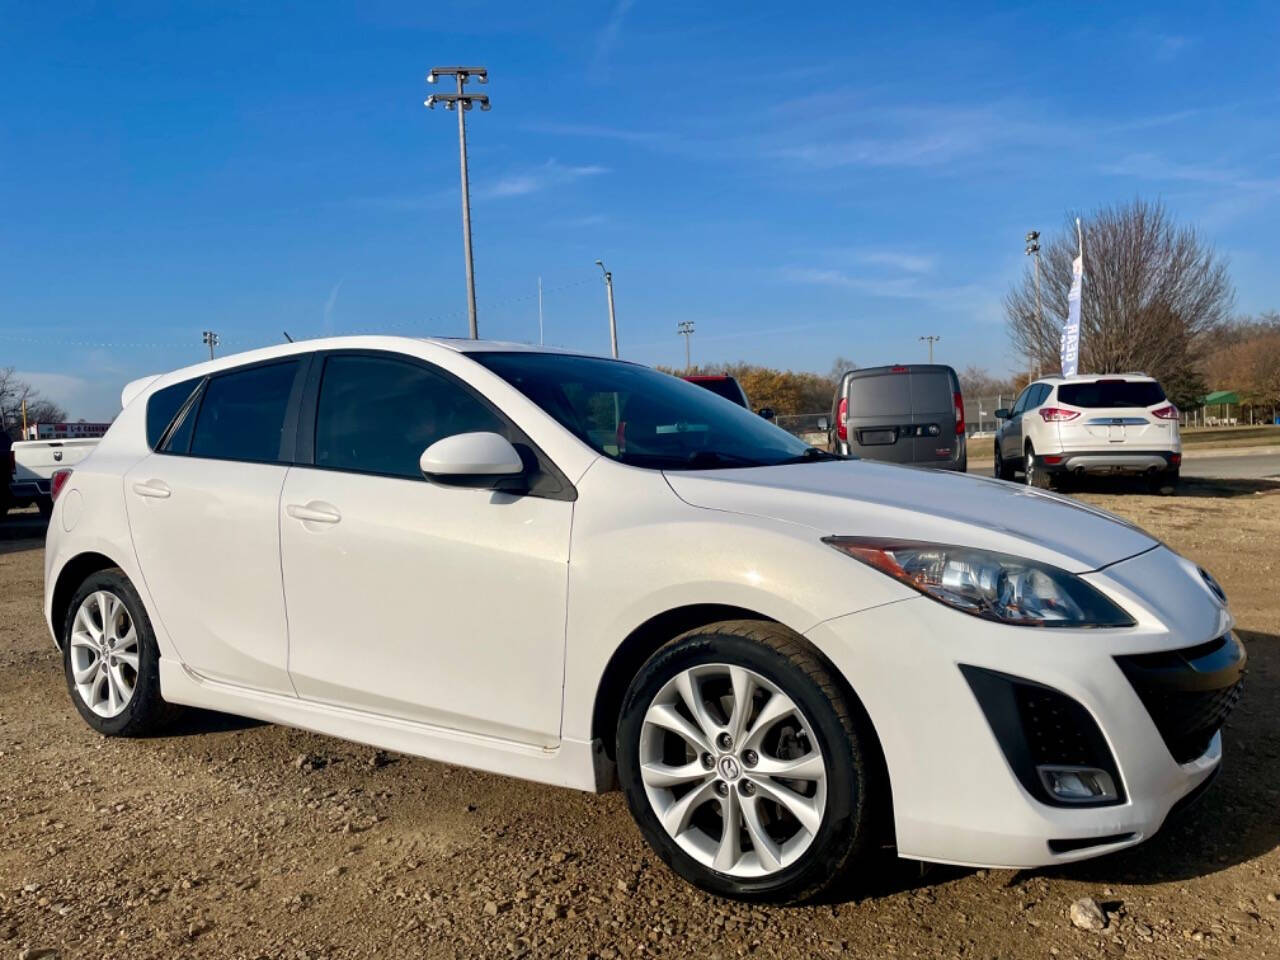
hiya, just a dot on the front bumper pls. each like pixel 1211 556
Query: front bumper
pixel 956 795
pixel 1109 461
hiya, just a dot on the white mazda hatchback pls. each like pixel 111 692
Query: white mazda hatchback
pixel 588 573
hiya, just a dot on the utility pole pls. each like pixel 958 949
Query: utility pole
pixel 1033 250
pixel 210 339
pixel 462 102
pixel 613 320
pixel 932 339
pixel 539 311
pixel 685 329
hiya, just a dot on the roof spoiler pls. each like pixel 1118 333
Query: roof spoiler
pixel 133 388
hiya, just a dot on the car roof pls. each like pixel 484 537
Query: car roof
pixel 901 368
pixel 387 342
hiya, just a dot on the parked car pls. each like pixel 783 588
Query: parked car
pixel 1090 424
pixel 585 572
pixel 723 385
pixel 34 464
pixel 907 413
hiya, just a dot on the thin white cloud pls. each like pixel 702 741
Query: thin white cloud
pixel 329 304
pixel 897 260
pixel 607 39
pixel 1152 166
pixel 550 174
pixel 594 131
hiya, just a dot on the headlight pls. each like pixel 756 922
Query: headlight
pixel 994 586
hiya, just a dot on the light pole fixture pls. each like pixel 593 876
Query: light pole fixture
pixel 685 329
pixel 1033 251
pixel 931 340
pixel 210 339
pixel 613 320
pixel 462 102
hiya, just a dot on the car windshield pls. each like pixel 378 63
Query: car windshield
pixel 641 417
pixel 1111 393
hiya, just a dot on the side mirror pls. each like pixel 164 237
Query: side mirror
pixel 1002 413
pixel 471 460
pixel 766 412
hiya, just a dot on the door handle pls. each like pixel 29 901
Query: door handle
pixel 313 512
pixel 156 489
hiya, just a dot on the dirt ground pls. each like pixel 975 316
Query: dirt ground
pixel 228 838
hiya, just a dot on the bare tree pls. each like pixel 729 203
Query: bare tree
pixel 1152 292
pixel 13 392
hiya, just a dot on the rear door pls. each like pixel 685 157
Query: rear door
pixel 203 512
pixel 879 409
pixel 933 413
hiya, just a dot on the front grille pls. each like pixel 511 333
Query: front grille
pixel 1189 693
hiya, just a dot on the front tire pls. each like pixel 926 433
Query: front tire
pixel 745 765
pixel 1003 469
pixel 111 660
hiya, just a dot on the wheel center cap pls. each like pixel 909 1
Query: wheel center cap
pixel 729 768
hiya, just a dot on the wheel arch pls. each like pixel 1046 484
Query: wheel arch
pixel 73 573
pixel 645 639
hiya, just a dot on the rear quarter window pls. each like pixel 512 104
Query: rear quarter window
pixel 932 393
pixel 163 406
pixel 1111 393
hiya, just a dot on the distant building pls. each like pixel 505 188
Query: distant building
pixel 64 431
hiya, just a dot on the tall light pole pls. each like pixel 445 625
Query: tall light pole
pixel 685 329
pixel 462 102
pixel 210 339
pixel 1033 250
pixel 932 339
pixel 613 320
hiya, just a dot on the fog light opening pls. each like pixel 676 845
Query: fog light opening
pixel 1078 784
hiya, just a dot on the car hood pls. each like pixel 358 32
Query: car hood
pixel 866 498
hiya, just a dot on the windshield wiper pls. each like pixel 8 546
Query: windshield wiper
pixel 811 455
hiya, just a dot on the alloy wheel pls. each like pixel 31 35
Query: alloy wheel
pixel 733 770
pixel 104 654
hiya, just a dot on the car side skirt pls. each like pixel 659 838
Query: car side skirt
pixel 580 765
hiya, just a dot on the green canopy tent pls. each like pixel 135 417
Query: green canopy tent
pixel 1222 399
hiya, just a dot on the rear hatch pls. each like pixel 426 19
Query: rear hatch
pixel 902 414
pixel 1117 413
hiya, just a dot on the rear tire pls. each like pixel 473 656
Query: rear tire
pixel 111 660
pixel 822 738
pixel 1164 483
pixel 1037 477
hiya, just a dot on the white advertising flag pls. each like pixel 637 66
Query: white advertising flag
pixel 1071 332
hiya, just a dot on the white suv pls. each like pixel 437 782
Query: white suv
pixel 592 574
pixel 1109 423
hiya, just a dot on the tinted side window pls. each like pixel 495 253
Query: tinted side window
pixel 163 406
pixel 1023 399
pixel 377 415
pixel 242 414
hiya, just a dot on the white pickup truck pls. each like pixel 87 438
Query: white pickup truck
pixel 35 462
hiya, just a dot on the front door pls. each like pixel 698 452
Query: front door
pixel 439 604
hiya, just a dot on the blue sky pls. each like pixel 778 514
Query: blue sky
pixel 801 182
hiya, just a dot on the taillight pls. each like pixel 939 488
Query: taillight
pixel 1175 459
pixel 842 420
pixel 1169 412
pixel 1057 414
pixel 959 414
pixel 58 481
